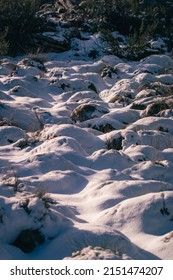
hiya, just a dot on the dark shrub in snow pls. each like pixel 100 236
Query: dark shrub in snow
pixel 18 22
pixel 28 240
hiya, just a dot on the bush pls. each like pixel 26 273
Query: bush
pixel 111 44
pixel 45 197
pixel 110 14
pixel 3 43
pixel 18 23
pixel 28 240
pixel 100 12
pixel 137 44
pixel 137 20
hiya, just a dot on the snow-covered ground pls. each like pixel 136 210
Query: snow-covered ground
pixel 86 157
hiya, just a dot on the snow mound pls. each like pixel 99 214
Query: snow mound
pixel 86 157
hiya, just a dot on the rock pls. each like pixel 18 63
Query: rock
pixel 154 109
pixel 105 128
pixel 86 112
pixel 115 143
pixel 95 253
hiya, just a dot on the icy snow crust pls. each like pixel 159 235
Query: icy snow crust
pixel 84 136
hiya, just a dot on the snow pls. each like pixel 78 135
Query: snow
pixel 157 44
pixel 80 159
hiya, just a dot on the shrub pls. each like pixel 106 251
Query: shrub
pixel 101 12
pixel 3 43
pixel 138 20
pixel 115 143
pixel 2 212
pixel 29 239
pixel 18 23
pixel 93 53
pixel 137 44
pixel 11 179
pixel 111 44
pixel 45 197
pixel 111 14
